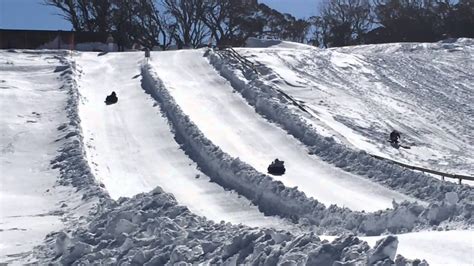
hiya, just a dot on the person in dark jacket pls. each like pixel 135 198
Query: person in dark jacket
pixel 111 99
pixel 394 137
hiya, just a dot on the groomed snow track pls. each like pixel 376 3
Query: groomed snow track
pixel 232 125
pixel 130 146
pixel 270 195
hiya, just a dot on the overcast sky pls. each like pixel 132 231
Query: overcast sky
pixel 31 14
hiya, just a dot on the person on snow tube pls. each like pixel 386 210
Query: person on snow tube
pixel 277 167
pixel 394 137
pixel 111 99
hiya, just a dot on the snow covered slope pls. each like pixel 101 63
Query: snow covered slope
pixel 162 206
pixel 439 248
pixel 360 94
pixel 131 149
pixel 229 122
pixel 32 103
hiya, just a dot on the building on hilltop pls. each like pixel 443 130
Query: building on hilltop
pixel 48 39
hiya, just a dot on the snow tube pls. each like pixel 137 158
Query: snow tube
pixel 111 99
pixel 276 168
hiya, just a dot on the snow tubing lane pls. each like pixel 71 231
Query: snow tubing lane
pixel 271 197
pixel 73 167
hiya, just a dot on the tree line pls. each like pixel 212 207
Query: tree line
pixel 192 23
pixel 350 22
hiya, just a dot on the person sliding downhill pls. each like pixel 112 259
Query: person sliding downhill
pixel 111 99
pixel 277 167
pixel 395 140
pixel 394 137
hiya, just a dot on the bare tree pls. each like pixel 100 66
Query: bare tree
pixel 186 23
pixel 69 9
pixel 232 22
pixel 151 26
pixel 213 14
pixel 85 15
pixel 345 21
pixel 421 20
pixel 187 28
pixel 283 26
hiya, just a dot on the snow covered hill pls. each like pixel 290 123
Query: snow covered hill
pixel 359 94
pixel 176 170
pixel 131 146
pixel 224 117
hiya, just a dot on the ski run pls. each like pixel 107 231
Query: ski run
pixel 176 171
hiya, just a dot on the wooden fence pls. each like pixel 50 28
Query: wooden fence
pixel 425 170
pixel 234 54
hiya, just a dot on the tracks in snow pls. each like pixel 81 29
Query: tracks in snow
pixel 229 122
pixel 131 148
pixel 366 94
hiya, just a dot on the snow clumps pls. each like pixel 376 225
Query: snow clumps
pixel 151 229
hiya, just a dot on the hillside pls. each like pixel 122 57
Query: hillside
pixel 359 94
pixel 176 171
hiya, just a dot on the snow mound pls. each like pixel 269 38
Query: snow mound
pixel 253 42
pixel 448 45
pixel 73 168
pixel 151 229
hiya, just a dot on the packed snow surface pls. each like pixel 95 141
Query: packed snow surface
pixel 359 94
pixel 437 247
pixel 273 43
pixel 229 122
pixel 31 109
pixel 131 148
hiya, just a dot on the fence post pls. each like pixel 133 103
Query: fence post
pixel 59 39
pixel 460 179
